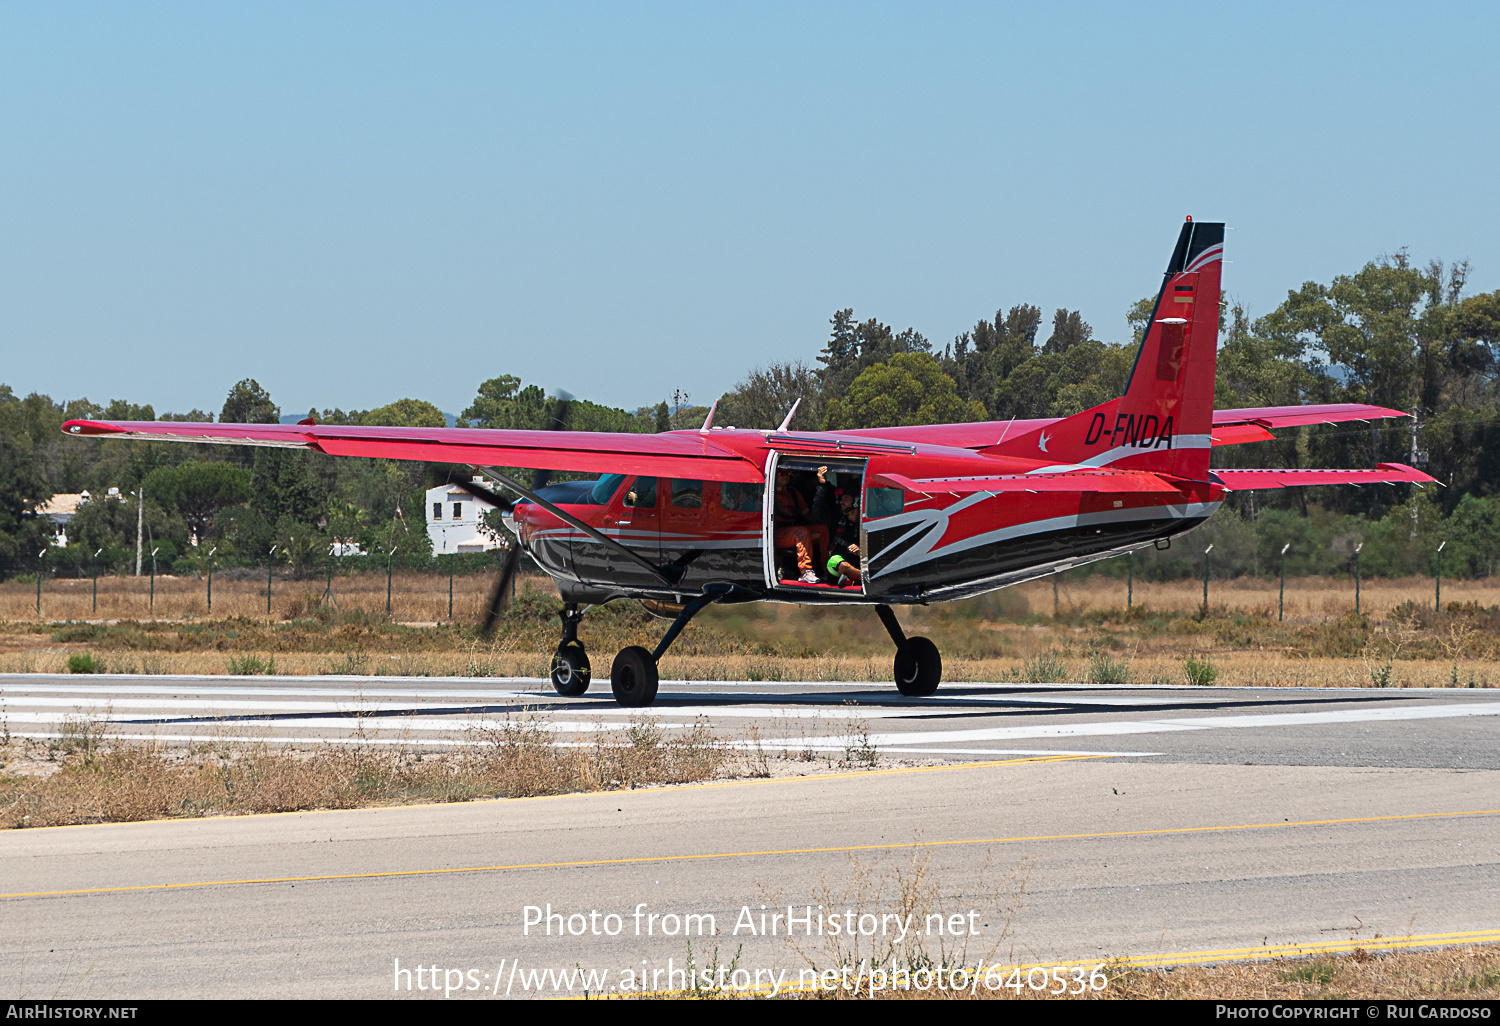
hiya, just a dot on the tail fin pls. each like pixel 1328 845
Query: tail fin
pixel 1163 420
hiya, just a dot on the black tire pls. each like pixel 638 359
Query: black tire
pixel 570 671
pixel 919 668
pixel 633 677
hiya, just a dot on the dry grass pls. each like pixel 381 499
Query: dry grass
pixel 414 597
pixel 86 777
pixel 1010 636
pixel 1470 972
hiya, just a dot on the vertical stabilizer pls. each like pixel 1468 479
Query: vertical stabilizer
pixel 1163 420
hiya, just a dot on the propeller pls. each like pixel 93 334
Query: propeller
pixel 499 596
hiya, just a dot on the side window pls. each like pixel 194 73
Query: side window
pixel 641 494
pixel 458 511
pixel 437 511
pixel 687 494
pixel 739 497
pixel 883 502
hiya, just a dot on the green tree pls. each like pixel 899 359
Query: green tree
pixel 406 413
pixel 854 346
pixel 248 403
pixel 763 397
pixel 199 490
pixel 910 388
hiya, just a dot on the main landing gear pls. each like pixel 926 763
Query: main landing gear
pixel 919 667
pixel 633 677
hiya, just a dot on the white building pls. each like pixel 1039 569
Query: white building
pixel 453 520
pixel 62 507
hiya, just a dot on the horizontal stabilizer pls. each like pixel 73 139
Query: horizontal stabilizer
pixel 1239 434
pixel 1076 481
pixel 1300 416
pixel 1385 473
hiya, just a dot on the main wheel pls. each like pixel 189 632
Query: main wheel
pixel 919 668
pixel 633 677
pixel 570 670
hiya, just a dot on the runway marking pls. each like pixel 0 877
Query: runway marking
pixel 1318 948
pixel 708 856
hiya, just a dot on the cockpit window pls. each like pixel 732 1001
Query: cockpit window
pixel 605 489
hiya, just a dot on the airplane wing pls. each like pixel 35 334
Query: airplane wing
pixel 676 454
pixel 1073 481
pixel 1385 473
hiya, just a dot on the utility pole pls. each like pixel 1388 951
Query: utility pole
pixel 95 565
pixel 211 578
pixel 140 521
pixel 153 579
pixel 39 556
pixel 1281 599
pixel 1129 580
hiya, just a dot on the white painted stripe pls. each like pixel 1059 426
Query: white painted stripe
pixel 1118 727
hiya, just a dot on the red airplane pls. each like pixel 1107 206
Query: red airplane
pixel 882 516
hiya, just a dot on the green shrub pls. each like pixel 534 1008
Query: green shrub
pixel 84 662
pixel 1047 668
pixel 246 665
pixel 1103 669
pixel 1200 672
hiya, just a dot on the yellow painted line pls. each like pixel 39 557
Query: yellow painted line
pixel 1256 954
pixel 1319 948
pixel 1026 760
pixel 706 856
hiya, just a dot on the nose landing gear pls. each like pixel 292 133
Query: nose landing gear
pixel 919 666
pixel 570 666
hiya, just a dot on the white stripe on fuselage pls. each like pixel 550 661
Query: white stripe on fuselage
pixel 936 524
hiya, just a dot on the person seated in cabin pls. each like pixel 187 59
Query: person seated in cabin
pixel 739 497
pixel 843 547
pixel 796 530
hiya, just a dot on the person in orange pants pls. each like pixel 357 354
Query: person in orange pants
pixel 793 531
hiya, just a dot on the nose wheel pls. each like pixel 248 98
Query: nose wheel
pixel 570 666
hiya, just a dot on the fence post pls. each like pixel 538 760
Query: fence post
pixel 1054 594
pixel 389 556
pixel 39 556
pixel 153 579
pixel 269 565
pixel 1281 599
pixel 1205 582
pixel 1437 605
pixel 1129 580
pixel 211 578
pixel 94 563
pixel 450 591
pixel 1356 577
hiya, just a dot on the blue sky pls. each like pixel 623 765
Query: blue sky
pixel 355 203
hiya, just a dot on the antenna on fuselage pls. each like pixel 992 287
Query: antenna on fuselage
pixel 789 415
pixel 708 422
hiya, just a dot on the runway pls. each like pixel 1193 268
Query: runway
pixel 1453 728
pixel 1064 825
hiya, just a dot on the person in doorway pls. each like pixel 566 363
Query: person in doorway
pixel 795 529
pixel 843 547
